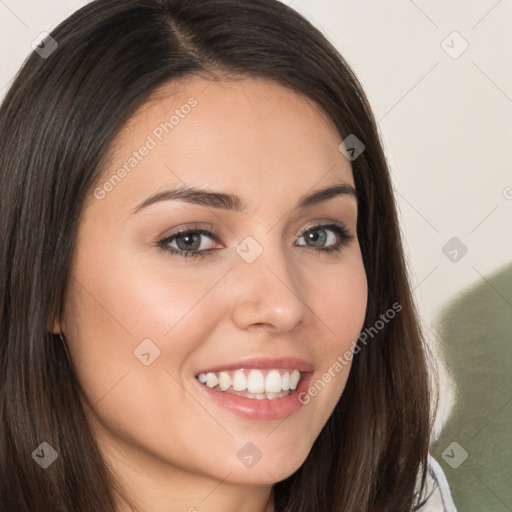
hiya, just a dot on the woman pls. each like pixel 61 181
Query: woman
pixel 204 300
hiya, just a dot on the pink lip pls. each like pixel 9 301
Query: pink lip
pixel 265 409
pixel 292 363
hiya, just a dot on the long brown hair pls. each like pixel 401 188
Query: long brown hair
pixel 57 123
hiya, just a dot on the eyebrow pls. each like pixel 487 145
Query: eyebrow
pixel 226 201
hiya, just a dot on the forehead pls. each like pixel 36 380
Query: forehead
pixel 250 135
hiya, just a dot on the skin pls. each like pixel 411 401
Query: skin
pixel 172 448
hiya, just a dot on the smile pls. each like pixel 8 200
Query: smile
pixel 258 384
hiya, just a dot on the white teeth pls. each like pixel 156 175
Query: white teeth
pixel 285 381
pixel 224 381
pixel 239 381
pixel 211 380
pixel 294 379
pixel 273 382
pixel 273 385
pixel 255 382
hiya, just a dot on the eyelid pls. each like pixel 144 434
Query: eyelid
pixel 322 223
pixel 190 227
pixel 319 223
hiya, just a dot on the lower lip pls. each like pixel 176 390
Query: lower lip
pixel 255 409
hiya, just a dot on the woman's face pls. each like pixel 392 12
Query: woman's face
pixel 262 301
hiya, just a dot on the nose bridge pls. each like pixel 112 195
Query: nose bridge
pixel 268 289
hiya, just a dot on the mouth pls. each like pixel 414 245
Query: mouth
pixel 257 388
pixel 255 383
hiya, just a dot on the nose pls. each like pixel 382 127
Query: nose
pixel 267 292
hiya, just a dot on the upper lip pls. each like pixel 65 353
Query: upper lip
pixel 292 363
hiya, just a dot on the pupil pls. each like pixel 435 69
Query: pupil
pixel 189 239
pixel 315 238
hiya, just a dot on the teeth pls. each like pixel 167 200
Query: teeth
pixel 294 379
pixel 274 384
pixel 224 381
pixel 255 382
pixel 239 381
pixel 285 381
pixel 211 380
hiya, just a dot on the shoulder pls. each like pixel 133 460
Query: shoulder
pixel 437 497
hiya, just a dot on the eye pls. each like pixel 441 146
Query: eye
pixel 317 235
pixel 188 241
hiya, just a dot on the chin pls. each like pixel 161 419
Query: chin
pixel 273 466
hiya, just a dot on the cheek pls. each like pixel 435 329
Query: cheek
pixel 341 297
pixel 135 295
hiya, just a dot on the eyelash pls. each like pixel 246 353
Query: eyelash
pixel 342 232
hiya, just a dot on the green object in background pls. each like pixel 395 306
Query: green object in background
pixel 475 447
